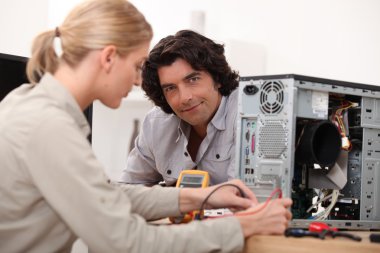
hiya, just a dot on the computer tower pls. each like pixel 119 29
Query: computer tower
pixel 318 140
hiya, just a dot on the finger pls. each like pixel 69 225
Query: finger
pixel 257 207
pixel 241 203
pixel 286 202
pixel 288 215
pixel 247 192
pixel 253 209
pixel 251 196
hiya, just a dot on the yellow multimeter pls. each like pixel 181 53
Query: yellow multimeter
pixel 191 179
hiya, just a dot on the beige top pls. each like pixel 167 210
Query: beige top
pixel 53 190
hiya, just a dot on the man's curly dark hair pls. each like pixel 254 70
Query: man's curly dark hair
pixel 200 52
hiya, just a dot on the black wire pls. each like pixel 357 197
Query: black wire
pixel 198 215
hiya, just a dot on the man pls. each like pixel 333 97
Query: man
pixel 193 126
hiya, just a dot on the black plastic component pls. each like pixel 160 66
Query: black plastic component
pixel 298 232
pixel 346 235
pixel 320 143
pixel 374 238
pixel 250 89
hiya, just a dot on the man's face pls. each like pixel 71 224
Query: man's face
pixel 192 94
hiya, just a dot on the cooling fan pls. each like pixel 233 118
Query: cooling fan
pixel 272 97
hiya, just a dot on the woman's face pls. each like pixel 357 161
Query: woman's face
pixel 125 73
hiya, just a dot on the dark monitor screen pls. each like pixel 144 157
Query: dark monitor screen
pixel 13 74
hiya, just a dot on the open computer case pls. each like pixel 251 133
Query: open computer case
pixel 318 140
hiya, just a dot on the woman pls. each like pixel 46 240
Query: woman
pixel 52 188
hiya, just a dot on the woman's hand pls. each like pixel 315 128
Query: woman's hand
pixel 266 218
pixel 271 217
pixel 233 194
pixel 226 195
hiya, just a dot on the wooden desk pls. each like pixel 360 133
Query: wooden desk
pixel 279 244
pixel 282 244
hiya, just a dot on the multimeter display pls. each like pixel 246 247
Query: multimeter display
pixel 193 181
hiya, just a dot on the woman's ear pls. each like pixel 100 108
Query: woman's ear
pixel 107 57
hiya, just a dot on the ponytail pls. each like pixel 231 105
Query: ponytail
pixel 44 58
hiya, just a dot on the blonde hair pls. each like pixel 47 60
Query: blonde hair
pixel 92 25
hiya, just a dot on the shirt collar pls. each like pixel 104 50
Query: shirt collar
pixel 219 119
pixel 183 128
pixel 66 101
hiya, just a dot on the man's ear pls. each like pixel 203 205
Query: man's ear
pixel 107 57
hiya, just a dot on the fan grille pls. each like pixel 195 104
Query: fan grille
pixel 272 97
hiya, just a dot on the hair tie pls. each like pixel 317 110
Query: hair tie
pixel 57 32
pixel 57 44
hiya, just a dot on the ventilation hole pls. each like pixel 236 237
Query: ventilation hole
pixel 272 141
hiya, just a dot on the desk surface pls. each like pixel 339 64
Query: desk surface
pixel 282 244
pixel 279 244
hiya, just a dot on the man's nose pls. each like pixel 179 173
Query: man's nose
pixel 185 94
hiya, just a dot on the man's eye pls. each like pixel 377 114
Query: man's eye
pixel 168 89
pixel 194 79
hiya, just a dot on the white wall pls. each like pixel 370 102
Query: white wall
pixel 334 39
pixel 19 24
pixel 327 38
pixel 112 131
